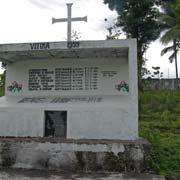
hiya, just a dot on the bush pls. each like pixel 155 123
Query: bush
pixel 161 126
pixel 2 85
pixel 165 104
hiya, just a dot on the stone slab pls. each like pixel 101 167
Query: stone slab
pixel 75 155
pixel 22 174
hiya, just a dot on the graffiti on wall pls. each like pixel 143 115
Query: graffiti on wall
pixel 61 100
pixel 122 87
pixel 15 87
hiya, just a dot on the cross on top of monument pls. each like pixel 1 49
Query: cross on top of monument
pixel 69 19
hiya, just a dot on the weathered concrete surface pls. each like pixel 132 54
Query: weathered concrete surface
pixel 9 174
pixel 75 155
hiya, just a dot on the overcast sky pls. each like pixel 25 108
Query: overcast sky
pixel 30 21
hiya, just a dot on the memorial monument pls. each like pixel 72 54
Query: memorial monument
pixel 74 104
pixel 91 88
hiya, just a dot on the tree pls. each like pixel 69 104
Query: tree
pixel 138 19
pixel 171 49
pixel 171 21
pixel 113 30
pixel 175 48
pixel 156 72
pixel 75 36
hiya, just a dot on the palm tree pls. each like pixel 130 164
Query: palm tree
pixel 171 22
pixel 175 49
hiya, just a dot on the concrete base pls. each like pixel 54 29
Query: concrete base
pixel 75 155
pixel 22 174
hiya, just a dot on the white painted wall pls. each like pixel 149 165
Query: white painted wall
pixel 102 123
pixel 21 122
pixel 108 119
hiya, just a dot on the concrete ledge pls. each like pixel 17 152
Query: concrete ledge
pixel 22 174
pixel 78 141
pixel 75 155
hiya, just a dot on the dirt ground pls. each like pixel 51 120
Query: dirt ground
pixel 21 174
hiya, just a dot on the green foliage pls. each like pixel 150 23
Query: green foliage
pixel 115 4
pixel 1 92
pixel 175 48
pixel 171 22
pixel 165 155
pixel 160 124
pixel 2 84
pixel 138 19
pixel 158 103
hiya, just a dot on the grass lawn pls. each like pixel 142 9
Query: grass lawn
pixel 160 124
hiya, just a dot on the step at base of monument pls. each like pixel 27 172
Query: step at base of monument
pixel 21 174
pixel 75 155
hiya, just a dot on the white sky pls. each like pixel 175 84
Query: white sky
pixel 30 21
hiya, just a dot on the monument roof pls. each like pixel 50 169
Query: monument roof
pixel 10 53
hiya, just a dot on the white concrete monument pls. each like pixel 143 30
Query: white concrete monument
pixel 83 90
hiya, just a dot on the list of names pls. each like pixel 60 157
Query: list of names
pixel 65 79
pixel 41 79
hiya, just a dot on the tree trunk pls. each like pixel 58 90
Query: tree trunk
pixel 140 86
pixel 175 58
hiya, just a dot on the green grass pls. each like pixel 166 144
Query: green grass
pixel 163 104
pixel 160 124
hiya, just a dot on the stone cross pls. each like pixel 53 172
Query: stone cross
pixel 69 19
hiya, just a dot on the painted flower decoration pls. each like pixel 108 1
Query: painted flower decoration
pixel 15 87
pixel 122 87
